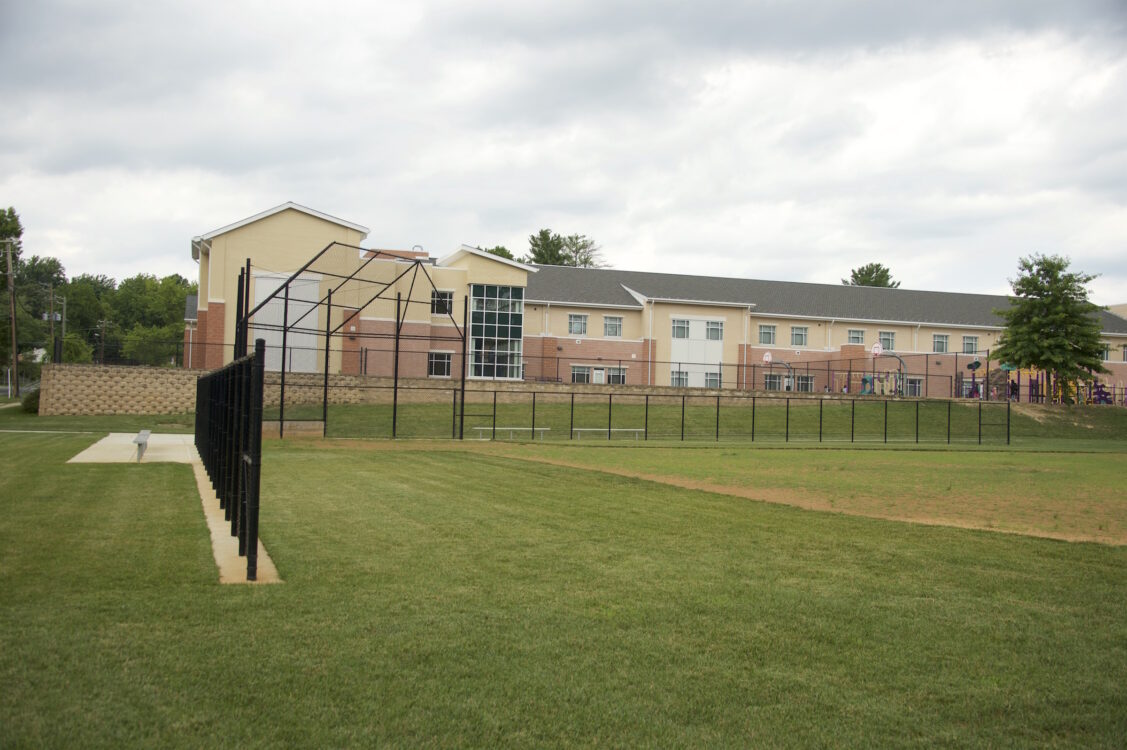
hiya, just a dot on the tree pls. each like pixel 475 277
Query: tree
pixel 500 251
pixel 546 248
pixel 582 252
pixel 11 229
pixel 549 249
pixel 871 274
pixel 1050 323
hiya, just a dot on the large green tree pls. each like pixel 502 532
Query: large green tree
pixel 546 248
pixel 871 274
pixel 1050 323
pixel 10 229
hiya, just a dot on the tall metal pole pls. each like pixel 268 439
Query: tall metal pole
pixel 325 383
pixel 395 381
pixel 465 340
pixel 12 322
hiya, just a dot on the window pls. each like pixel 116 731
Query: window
pixel 712 380
pixel 612 326
pixel 441 303
pixel 714 330
pixel 496 326
pixel 970 344
pixel 577 325
pixel 580 374
pixel 1107 353
pixel 939 343
pixel 679 379
pixel 915 387
pixel 888 340
pixel 766 334
pixel 616 375
pixel 680 329
pixel 804 383
pixel 798 335
pixel 438 364
pixel 856 336
pixel 772 382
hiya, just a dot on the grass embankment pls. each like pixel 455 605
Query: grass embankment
pixel 458 598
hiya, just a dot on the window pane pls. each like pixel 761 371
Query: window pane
pixel 766 334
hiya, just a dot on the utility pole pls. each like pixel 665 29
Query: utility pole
pixel 12 318
pixel 51 297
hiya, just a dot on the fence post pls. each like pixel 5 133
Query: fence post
pixel 786 439
pixel 821 402
pixel 948 423
pixel 462 385
pixel 254 457
pixel 886 420
pixel 980 421
pixel 534 415
pixel 610 412
pixel 753 417
pixel 282 387
pixel 1007 420
pixel 494 415
pixel 917 421
pixel 853 420
pixel 682 419
pixel 571 424
pixel 718 419
pixel 646 419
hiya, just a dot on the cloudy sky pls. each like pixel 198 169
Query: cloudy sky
pixel 763 139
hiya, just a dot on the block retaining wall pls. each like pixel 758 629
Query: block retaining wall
pixel 68 389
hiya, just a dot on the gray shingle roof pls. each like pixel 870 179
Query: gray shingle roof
pixel 605 286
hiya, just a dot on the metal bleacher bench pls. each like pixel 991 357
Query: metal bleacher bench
pixel 578 431
pixel 511 430
pixel 142 442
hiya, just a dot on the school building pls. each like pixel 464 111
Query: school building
pixel 579 325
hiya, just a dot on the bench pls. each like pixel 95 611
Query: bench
pixel 580 430
pixel 142 442
pixel 511 430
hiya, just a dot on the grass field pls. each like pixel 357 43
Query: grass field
pixel 443 594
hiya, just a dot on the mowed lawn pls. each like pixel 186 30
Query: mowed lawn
pixel 452 596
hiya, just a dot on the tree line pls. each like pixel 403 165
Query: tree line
pixel 139 319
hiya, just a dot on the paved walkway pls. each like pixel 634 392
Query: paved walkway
pixel 118 447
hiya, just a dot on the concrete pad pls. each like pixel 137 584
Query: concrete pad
pixel 224 547
pixel 118 447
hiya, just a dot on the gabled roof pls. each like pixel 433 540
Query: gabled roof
pixel 609 287
pixel 278 209
pixel 470 250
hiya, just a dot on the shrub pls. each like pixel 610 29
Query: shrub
pixel 31 402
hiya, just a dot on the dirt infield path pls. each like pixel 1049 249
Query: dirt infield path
pixel 1017 514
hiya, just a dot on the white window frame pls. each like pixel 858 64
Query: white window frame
pixel 434 357
pixel 612 326
pixel 970 344
pixel 712 380
pixel 679 378
pixel 1107 353
pixel 887 340
pixel 767 334
pixel 714 330
pixel 799 335
pixel 939 343
pixel 576 324
pixel 680 325
pixel 582 372
pixel 445 296
pixel 804 383
pixel 859 338
pixel 772 381
pixel 616 376
pixel 914 387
